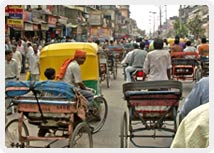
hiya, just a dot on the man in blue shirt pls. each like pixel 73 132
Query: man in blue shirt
pixel 198 96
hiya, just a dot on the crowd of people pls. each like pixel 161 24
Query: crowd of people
pixel 152 56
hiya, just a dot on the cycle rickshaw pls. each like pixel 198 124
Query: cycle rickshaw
pixel 204 65
pixel 55 54
pixel 104 69
pixel 184 68
pixel 152 106
pixel 114 55
pixel 50 105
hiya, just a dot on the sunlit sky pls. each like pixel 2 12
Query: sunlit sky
pixel 142 16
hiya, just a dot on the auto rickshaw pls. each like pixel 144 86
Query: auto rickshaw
pixel 54 55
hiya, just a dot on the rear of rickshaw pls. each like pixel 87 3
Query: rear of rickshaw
pixel 54 107
pixel 185 66
pixel 55 54
pixel 152 111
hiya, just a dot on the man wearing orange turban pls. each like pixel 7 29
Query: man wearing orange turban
pixel 73 74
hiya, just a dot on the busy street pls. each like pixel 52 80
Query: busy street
pixel 94 76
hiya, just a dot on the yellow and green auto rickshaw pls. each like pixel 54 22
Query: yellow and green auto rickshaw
pixel 54 55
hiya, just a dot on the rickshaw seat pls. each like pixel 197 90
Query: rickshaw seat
pixel 136 93
pixel 183 61
pixel 43 101
pixel 20 88
pixel 153 103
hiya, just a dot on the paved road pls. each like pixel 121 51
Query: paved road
pixel 108 136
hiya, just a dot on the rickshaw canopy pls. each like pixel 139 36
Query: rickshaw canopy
pixel 54 55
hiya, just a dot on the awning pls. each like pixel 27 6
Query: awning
pixel 39 21
pixel 75 7
pixel 70 25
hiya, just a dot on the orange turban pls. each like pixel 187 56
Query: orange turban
pixel 80 53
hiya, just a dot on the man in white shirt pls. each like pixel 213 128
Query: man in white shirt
pixel 29 51
pixel 73 74
pixel 18 57
pixel 21 48
pixel 189 48
pixel 11 67
pixel 157 64
pixel 34 64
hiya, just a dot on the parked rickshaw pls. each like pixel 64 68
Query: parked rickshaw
pixel 152 110
pixel 54 55
pixel 54 107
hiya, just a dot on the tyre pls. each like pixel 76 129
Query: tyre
pixel 115 71
pixel 124 132
pixel 197 74
pixel 108 78
pixel 97 115
pixel 81 137
pixel 12 135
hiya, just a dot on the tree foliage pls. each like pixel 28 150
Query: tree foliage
pixel 195 26
pixel 180 28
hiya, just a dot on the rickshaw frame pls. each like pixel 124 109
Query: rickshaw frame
pixel 54 55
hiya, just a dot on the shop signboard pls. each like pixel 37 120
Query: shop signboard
pixel 28 27
pixel 52 20
pixel 100 33
pixel 15 16
pixel 16 23
pixel 27 16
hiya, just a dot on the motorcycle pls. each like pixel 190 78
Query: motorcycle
pixel 137 75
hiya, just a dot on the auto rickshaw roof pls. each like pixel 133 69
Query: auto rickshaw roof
pixel 88 47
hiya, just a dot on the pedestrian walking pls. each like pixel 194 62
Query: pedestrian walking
pixel 34 64
pixel 18 57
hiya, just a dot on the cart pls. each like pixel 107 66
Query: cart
pixel 51 106
pixel 152 107
pixel 185 68
pixel 104 71
pixel 204 65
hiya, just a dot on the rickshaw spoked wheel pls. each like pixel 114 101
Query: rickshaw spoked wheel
pixel 12 135
pixel 81 137
pixel 114 71
pixel 124 132
pixel 97 114
pixel 107 78
pixel 197 75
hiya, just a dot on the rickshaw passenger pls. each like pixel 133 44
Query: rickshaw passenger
pixel 199 95
pixel 193 132
pixel 73 75
pixel 176 47
pixel 203 48
pixel 50 73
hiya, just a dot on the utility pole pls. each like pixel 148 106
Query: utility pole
pixel 160 16
pixel 166 19
pixel 154 21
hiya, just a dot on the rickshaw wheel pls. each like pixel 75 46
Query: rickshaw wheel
pixel 81 137
pixel 12 135
pixel 100 108
pixel 107 78
pixel 115 71
pixel 197 74
pixel 124 132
